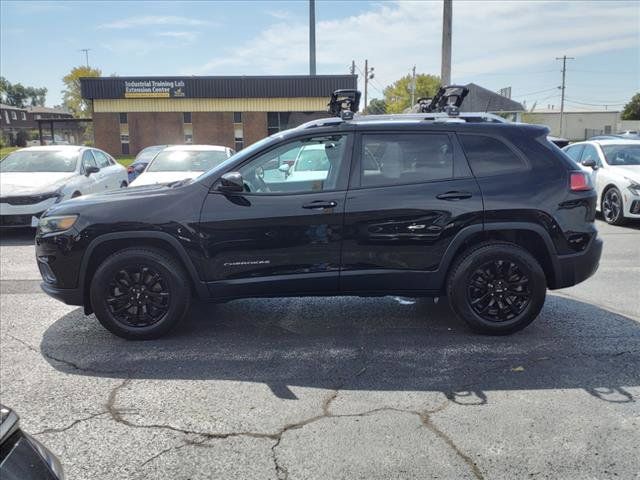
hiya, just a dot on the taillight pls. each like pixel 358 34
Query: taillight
pixel 579 182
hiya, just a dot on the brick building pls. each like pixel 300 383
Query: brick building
pixel 130 113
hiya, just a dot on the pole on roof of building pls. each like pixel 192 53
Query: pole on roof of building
pixel 312 37
pixel 445 67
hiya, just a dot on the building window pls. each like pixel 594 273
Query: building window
pixel 6 116
pixel 23 115
pixel 187 130
pixel 123 119
pixel 277 121
pixel 13 115
pixel 238 131
pixel 38 117
pixel 186 117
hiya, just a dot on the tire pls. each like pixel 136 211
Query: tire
pixel 158 293
pixel 612 206
pixel 493 275
pixel 76 195
pixel 123 185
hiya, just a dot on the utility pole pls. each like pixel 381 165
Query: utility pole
pixel 445 68
pixel 86 55
pixel 312 37
pixel 353 67
pixel 564 59
pixel 413 86
pixel 368 75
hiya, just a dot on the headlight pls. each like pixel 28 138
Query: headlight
pixel 57 223
pixel 633 186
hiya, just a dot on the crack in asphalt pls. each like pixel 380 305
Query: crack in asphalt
pixel 71 425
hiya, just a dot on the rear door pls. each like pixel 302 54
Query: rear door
pixel 281 235
pixel 410 194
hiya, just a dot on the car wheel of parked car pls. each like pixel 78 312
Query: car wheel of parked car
pixel 497 288
pixel 612 206
pixel 140 293
pixel 123 185
pixel 75 194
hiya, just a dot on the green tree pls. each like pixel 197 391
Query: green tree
pixel 631 110
pixel 397 96
pixel 377 107
pixel 17 95
pixel 71 95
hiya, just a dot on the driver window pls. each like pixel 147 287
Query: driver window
pixel 304 166
pixel 590 153
pixel 88 160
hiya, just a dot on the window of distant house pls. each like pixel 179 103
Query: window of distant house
pixel 6 117
pixel 23 115
pixel 14 116
pixel 238 131
pixel 277 121
pixel 38 117
pixel 123 118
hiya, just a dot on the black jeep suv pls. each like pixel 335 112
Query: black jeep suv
pixel 489 214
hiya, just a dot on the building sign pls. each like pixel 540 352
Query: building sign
pixel 154 89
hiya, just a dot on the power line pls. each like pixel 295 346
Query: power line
pixel 535 93
pixel 595 104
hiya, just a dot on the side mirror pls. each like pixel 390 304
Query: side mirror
pixel 231 182
pixel 284 168
pixel 90 169
pixel 590 162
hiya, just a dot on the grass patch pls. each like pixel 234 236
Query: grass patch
pixel 125 160
pixel 4 151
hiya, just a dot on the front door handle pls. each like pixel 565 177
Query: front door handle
pixel 319 205
pixel 454 195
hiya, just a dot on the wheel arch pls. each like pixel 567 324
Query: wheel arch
pixel 104 245
pixel 533 238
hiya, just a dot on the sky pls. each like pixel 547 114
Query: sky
pixel 495 44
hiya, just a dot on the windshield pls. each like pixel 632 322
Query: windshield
pixel 312 160
pixel 184 161
pixel 148 153
pixel 620 155
pixel 40 161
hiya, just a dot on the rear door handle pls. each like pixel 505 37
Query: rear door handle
pixel 319 205
pixel 454 196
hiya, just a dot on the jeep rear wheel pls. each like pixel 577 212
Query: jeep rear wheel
pixel 497 288
pixel 140 293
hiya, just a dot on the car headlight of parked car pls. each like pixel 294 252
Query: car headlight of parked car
pixel 56 223
pixel 633 186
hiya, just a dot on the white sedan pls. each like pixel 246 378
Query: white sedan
pixel 614 165
pixel 32 179
pixel 182 162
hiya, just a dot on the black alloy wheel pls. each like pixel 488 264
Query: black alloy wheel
pixel 612 208
pixel 138 296
pixel 496 287
pixel 140 293
pixel 498 290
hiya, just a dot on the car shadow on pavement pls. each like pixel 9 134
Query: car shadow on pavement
pixel 16 237
pixel 383 344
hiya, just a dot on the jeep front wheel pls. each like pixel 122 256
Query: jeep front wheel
pixel 140 293
pixel 497 288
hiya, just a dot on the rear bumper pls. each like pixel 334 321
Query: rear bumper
pixel 573 269
pixel 70 296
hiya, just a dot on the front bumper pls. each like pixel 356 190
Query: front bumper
pixel 70 296
pixel 575 268
pixel 15 221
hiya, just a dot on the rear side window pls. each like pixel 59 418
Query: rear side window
pixel 574 152
pixel 101 158
pixel 489 156
pixel 394 159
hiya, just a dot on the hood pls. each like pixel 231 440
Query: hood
pixel 152 178
pixel 32 183
pixel 629 171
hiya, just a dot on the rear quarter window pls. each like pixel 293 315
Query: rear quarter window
pixel 490 156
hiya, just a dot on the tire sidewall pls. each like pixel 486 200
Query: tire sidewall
pixel 458 286
pixel 620 218
pixel 171 274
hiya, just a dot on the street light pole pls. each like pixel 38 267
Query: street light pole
pixel 312 37
pixel 564 59
pixel 445 68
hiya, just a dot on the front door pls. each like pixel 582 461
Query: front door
pixel 411 193
pixel 283 234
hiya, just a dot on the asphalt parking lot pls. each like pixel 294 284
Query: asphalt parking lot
pixel 338 388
